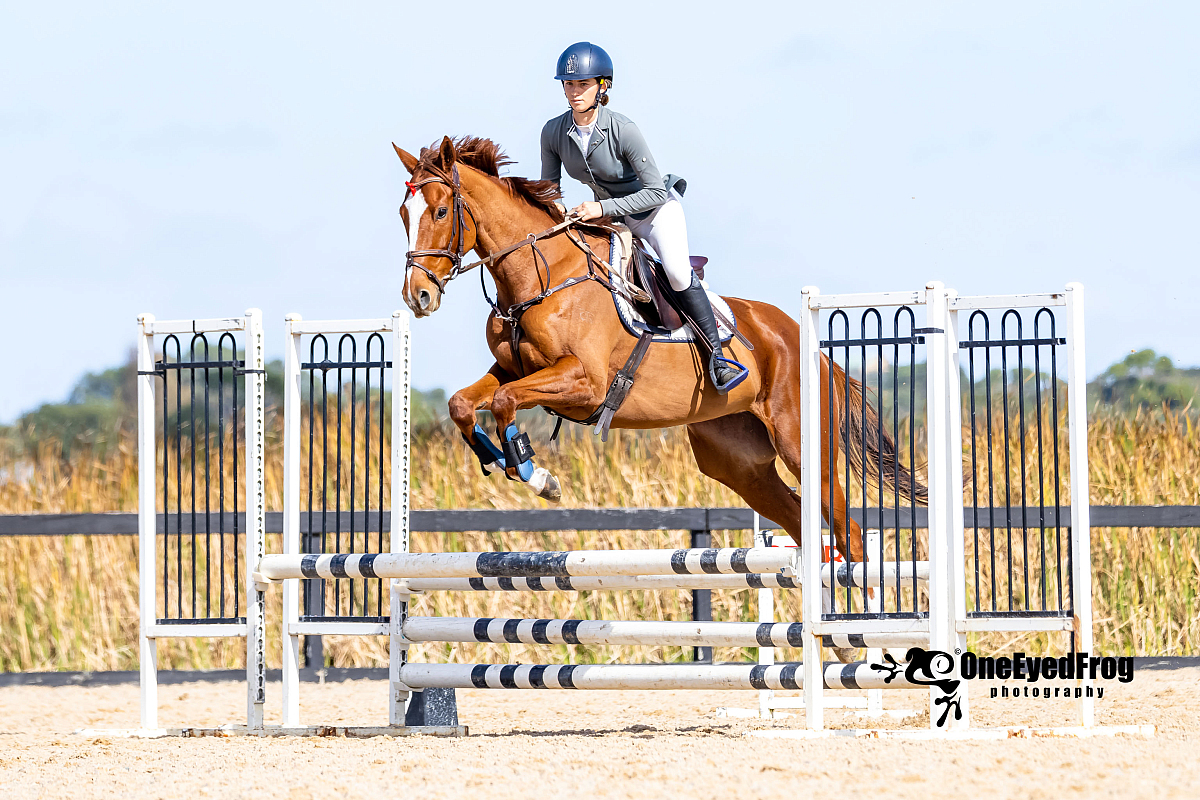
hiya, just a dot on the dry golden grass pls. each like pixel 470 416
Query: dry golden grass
pixel 71 602
pixel 1147 580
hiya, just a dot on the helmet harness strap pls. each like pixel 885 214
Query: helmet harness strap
pixel 600 95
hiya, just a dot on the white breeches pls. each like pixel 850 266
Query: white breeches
pixel 666 231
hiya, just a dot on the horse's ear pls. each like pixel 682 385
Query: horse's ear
pixel 409 160
pixel 447 154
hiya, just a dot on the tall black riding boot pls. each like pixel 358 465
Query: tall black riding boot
pixel 694 300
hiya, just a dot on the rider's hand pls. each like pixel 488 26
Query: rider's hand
pixel 561 208
pixel 587 210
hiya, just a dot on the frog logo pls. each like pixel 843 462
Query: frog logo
pixel 928 668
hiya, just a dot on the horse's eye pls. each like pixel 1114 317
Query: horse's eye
pixel 441 213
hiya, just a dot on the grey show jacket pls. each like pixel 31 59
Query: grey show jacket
pixel 619 168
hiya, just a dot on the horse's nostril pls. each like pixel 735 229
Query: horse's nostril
pixel 423 299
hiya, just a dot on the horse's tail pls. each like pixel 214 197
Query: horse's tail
pixel 868 446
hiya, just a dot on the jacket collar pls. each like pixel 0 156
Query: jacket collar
pixel 603 119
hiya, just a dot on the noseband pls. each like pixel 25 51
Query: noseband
pixel 456 247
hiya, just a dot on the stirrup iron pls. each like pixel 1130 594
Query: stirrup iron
pixel 723 388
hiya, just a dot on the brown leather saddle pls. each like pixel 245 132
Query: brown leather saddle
pixel 648 274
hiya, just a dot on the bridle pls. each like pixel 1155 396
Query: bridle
pixel 456 247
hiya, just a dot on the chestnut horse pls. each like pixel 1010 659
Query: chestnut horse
pixel 572 343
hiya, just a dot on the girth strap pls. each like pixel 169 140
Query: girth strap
pixel 622 382
pixel 618 390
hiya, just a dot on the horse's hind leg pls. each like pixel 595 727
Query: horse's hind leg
pixel 784 417
pixel 737 451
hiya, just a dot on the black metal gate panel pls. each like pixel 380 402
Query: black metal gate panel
pixel 1015 427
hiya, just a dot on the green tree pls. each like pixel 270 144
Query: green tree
pixel 1145 379
pixel 101 408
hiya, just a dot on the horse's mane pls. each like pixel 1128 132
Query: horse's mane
pixel 487 157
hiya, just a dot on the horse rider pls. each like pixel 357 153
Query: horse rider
pixel 605 151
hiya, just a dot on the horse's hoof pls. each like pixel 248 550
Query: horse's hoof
pixel 545 485
pixel 846 655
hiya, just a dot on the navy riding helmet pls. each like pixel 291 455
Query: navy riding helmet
pixel 584 60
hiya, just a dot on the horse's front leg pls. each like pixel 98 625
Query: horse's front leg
pixel 476 397
pixel 563 383
pixel 466 403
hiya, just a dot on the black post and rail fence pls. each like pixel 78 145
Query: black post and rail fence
pixel 700 522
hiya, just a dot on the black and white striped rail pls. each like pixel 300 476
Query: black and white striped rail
pixel 891 641
pixel 572 563
pixel 615 632
pixel 847 577
pixel 500 630
pixel 874 573
pixel 752 580
pixel 859 675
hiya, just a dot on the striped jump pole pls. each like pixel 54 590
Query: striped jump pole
pixel 876 641
pixel 848 576
pixel 499 630
pixel 598 632
pixel 587 563
pixel 859 675
pixel 876 573
pixel 751 580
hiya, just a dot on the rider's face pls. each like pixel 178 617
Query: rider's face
pixel 581 94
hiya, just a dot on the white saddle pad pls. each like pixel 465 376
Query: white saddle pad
pixel 636 325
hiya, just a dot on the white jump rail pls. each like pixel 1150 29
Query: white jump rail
pixel 571 563
pixel 859 675
pixel 601 632
pixel 852 576
pixel 613 583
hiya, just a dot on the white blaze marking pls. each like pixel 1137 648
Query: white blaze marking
pixel 416 206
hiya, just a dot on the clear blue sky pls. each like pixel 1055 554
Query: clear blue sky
pixel 193 160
